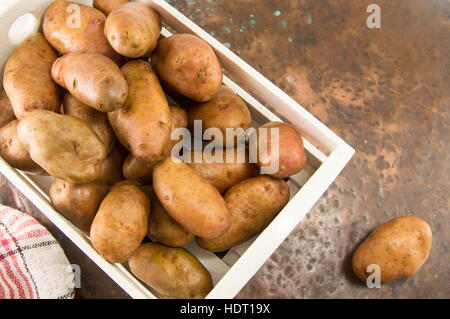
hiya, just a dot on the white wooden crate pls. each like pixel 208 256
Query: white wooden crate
pixel 327 155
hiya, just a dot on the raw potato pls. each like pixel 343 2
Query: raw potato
pixel 138 170
pixel 172 272
pixel 224 110
pixel 143 124
pixel 121 222
pixel 292 157
pixel 223 175
pixel 133 29
pixel 6 111
pixel 399 247
pixel 62 145
pixel 93 79
pixel 188 65
pixel 78 202
pixel 111 170
pixel 253 204
pixel 108 6
pixel 189 199
pixel 161 226
pixel 98 121
pixel 66 36
pixel 179 120
pixel 27 79
pixel 14 152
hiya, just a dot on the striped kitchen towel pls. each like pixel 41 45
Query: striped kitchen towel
pixel 32 264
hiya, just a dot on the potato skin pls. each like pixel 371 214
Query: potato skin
pixel 292 156
pixel 12 150
pixel 133 29
pixel 161 226
pixel 27 80
pixel 172 272
pixel 399 247
pixel 188 65
pixel 253 204
pixel 62 145
pixel 93 79
pixel 179 120
pixel 111 169
pixel 78 202
pixel 121 222
pixel 137 170
pixel 97 121
pixel 143 124
pixel 89 37
pixel 6 111
pixel 108 6
pixel 189 199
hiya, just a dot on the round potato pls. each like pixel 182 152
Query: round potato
pixel 108 6
pixel 27 79
pixel 78 202
pixel 179 120
pixel 161 226
pixel 399 247
pixel 291 153
pixel 133 29
pixel 6 111
pixel 137 170
pixel 63 145
pixel 188 65
pixel 253 204
pixel 93 79
pixel 74 27
pixel 14 152
pixel 111 170
pixel 121 222
pixel 143 124
pixel 98 121
pixel 172 272
pixel 189 199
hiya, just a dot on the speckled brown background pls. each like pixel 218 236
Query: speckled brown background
pixel 385 91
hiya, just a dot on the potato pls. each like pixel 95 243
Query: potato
pixel 6 111
pixel 98 121
pixel 138 170
pixel 161 226
pixel 399 247
pixel 121 222
pixel 188 65
pixel 189 199
pixel 74 27
pixel 78 202
pixel 108 6
pixel 224 174
pixel 111 170
pixel 179 120
pixel 27 80
pixel 93 79
pixel 143 124
pixel 172 272
pixel 291 153
pixel 14 152
pixel 63 145
pixel 133 29
pixel 224 110
pixel 253 204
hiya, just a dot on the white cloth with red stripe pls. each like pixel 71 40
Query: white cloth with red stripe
pixel 32 263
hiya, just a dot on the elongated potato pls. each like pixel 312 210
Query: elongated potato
pixel 27 79
pixel 253 204
pixel 111 170
pixel 93 79
pixel 137 170
pixel 133 29
pixel 399 248
pixel 161 226
pixel 188 65
pixel 108 6
pixel 143 124
pixel 62 145
pixel 14 152
pixel 98 121
pixel 172 272
pixel 6 111
pixel 189 199
pixel 74 27
pixel 179 120
pixel 121 222
pixel 78 202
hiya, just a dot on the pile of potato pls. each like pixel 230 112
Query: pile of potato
pixel 83 104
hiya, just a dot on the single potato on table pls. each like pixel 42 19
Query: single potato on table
pixel 108 6
pixel 6 111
